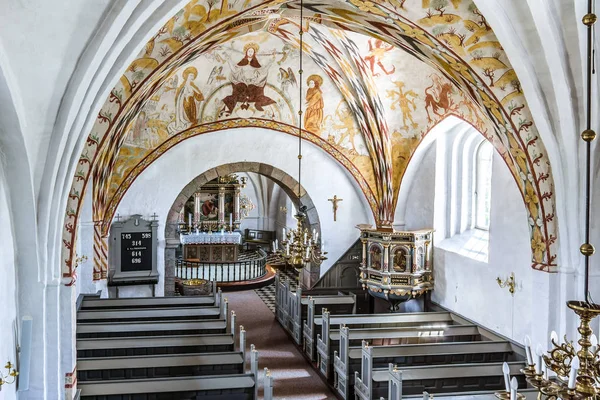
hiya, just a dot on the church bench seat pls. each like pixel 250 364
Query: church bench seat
pixel 160 366
pixel 153 345
pixel 315 325
pixel 146 314
pixel 149 328
pixel 95 303
pixel 435 379
pixel 222 387
pixel 350 359
pixel 344 338
pixel 291 308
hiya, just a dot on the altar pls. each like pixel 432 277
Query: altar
pixel 211 246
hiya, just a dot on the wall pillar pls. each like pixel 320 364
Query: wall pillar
pixel 100 253
pixel 221 206
pixel 171 246
pixel 67 340
pixel 236 206
pixel 197 209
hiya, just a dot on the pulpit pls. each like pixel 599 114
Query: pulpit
pixel 396 266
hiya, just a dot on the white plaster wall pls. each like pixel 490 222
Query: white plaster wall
pixel 157 187
pixel 44 40
pixel 85 247
pixel 419 209
pixel 467 286
pixel 8 295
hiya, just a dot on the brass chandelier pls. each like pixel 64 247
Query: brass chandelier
pixel 577 369
pixel 299 246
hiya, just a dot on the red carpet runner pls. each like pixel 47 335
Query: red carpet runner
pixel 294 378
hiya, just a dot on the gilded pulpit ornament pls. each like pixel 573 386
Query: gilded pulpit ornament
pixel 335 201
pixel 396 266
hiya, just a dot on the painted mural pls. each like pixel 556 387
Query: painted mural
pixel 253 78
pixel 372 115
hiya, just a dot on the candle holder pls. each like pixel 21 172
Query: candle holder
pixel 506 396
pixel 11 375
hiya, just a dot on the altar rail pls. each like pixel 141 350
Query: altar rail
pixel 222 271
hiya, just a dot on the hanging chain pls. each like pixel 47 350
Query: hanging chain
pixel 300 71
pixel 588 135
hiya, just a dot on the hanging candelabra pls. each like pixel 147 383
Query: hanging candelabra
pixel 565 371
pixel 299 246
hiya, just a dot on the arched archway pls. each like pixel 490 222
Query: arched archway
pixel 287 183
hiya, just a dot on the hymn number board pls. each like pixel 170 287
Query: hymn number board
pixel 136 251
pixel 132 250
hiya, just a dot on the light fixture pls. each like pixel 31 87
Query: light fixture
pixel 577 369
pixel 11 375
pixel 300 246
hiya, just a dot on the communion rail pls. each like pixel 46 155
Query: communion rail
pixel 223 271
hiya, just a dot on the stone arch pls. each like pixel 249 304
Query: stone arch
pixel 289 185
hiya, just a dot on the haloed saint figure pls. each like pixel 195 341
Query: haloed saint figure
pixel 187 97
pixel 248 80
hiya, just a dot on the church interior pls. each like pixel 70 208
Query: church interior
pixel 301 200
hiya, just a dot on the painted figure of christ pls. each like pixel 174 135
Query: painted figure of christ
pixel 248 80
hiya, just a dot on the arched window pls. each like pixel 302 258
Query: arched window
pixel 483 185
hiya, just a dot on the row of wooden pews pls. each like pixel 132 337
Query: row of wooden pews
pixel 175 348
pixel 373 356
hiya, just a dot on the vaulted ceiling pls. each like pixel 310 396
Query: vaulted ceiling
pixel 388 72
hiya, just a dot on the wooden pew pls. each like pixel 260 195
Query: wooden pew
pixel 152 328
pixel 89 303
pixel 374 383
pixel 151 314
pixel 154 345
pixel 149 328
pixel 291 308
pixel 346 337
pixel 214 387
pixel 125 311
pixel 321 325
pixel 160 366
pixel 350 359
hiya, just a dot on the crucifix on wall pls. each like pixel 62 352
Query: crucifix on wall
pixel 335 201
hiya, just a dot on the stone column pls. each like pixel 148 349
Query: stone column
pixel 236 206
pixel 100 253
pixel 67 300
pixel 171 245
pixel 221 205
pixel 197 208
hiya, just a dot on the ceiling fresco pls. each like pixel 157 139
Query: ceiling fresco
pixel 186 100
pixel 383 74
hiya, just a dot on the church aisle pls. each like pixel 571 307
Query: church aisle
pixel 294 378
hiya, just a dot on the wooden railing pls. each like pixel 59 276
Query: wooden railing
pixel 223 271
